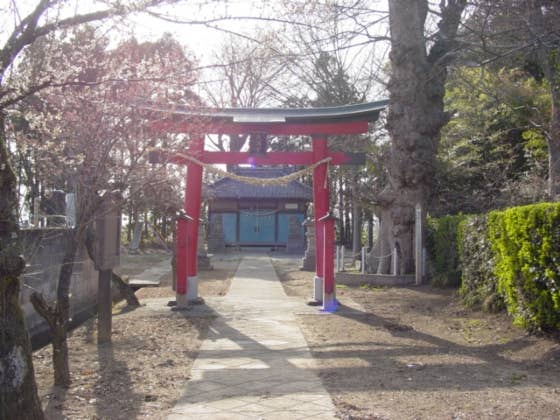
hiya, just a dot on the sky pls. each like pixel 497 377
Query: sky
pixel 197 27
pixel 204 38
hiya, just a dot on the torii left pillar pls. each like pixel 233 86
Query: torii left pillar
pixel 187 229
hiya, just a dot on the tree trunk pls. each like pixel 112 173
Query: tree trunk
pixel 164 227
pixel 542 19
pixel 129 225
pixel 356 228
pixel 416 113
pixel 18 390
pixel 60 354
pixel 554 144
pixel 60 347
pixel 552 73
pixel 370 231
pixel 125 290
pixel 347 223
pixel 57 315
pixel 236 143
pixel 385 257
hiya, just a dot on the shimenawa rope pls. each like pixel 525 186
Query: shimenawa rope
pixel 283 180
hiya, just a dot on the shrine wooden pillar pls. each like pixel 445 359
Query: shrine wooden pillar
pixel 321 208
pixel 187 229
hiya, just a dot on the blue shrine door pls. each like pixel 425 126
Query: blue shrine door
pixel 257 228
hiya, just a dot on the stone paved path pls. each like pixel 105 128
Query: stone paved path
pixel 255 363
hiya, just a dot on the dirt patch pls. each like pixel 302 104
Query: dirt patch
pixel 215 282
pixel 417 353
pixel 143 371
pixel 134 264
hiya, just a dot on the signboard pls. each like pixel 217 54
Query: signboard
pixel 108 233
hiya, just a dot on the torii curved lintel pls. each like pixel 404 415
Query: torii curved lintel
pixel 336 120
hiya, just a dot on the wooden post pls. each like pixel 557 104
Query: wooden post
pixel 337 259
pixel 104 307
pixel 395 261
pixel 106 257
pixel 418 245
pixel 36 203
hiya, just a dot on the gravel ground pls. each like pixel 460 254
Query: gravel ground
pixel 142 373
pixel 390 353
pixel 417 353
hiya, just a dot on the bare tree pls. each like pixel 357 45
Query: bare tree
pixel 245 75
pixel 18 394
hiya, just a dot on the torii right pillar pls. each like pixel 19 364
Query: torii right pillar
pixel 323 291
pixel 329 289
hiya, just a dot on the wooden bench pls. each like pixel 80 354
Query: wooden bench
pixel 139 283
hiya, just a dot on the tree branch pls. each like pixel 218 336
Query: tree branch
pixel 43 308
pixel 445 38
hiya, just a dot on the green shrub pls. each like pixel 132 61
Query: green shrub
pixel 476 258
pixel 526 244
pixel 442 244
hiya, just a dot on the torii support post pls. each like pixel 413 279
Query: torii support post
pixel 329 289
pixel 321 208
pixel 187 229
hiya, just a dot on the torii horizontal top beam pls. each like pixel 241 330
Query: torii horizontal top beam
pixel 338 120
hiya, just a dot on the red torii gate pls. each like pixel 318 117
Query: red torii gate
pixel 315 122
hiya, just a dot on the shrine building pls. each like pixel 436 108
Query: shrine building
pixel 253 215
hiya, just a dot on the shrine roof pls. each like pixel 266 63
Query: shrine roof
pixel 367 111
pixel 234 189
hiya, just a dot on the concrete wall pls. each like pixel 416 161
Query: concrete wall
pixel 44 251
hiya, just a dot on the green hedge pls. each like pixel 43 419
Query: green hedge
pixel 526 244
pixel 442 244
pixel 507 259
pixel 479 284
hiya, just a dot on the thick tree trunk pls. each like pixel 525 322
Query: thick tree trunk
pixel 18 391
pixel 416 113
pixel 236 143
pixel 384 246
